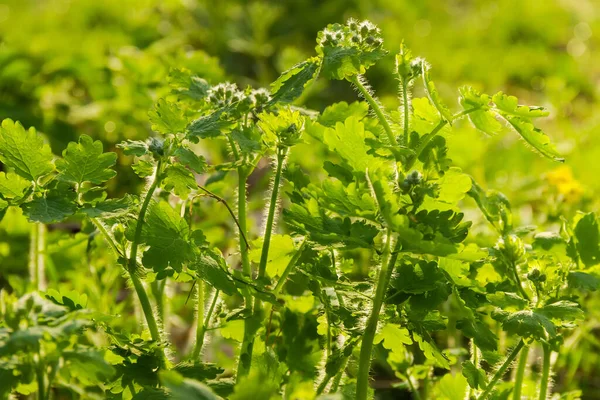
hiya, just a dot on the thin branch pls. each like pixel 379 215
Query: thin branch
pixel 224 202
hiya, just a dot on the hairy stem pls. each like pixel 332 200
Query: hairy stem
pixel 37 249
pixel 289 268
pixel 500 373
pixel 522 292
pixel 520 373
pixel 132 266
pixel 107 236
pixel 388 259
pixel 246 348
pixel 338 378
pixel 375 106
pixel 545 379
pixel 413 389
pixel 199 321
pixel 158 291
pixel 203 325
pixel 323 384
pixel 264 255
pixel 246 355
pixel 406 106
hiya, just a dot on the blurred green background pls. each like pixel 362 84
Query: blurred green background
pixel 73 67
pixel 96 67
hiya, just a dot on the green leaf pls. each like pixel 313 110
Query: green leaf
pixel 431 352
pixel 434 96
pixel 476 378
pixel 85 162
pixel 348 141
pixel 190 159
pixel 182 388
pixel 291 84
pixel 53 206
pixel 88 365
pixel 212 269
pixel 587 235
pixel 393 337
pixel 208 126
pixel 311 219
pixel 583 280
pixel 167 118
pixel 12 186
pixel 168 236
pixel 483 119
pixel 529 323
pixel 452 387
pixel 281 251
pixel 481 334
pixel 111 208
pixel 510 105
pixel 452 187
pixel 134 148
pixel 339 112
pixel 562 310
pixel 24 151
pixel 417 276
pixel 535 137
pixel 507 301
pixel 179 180
pixel 347 201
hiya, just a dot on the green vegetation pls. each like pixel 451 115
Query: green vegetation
pixel 198 203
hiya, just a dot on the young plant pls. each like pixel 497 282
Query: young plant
pixel 374 253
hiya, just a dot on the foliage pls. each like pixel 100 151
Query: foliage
pixel 382 259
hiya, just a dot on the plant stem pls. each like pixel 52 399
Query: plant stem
pixel 545 373
pixel 158 291
pixel 406 105
pixel 199 321
pixel 338 378
pixel 245 360
pixel 41 381
pixel 323 384
pixel 107 236
pixel 520 374
pixel 364 363
pixel 132 262
pixel 413 389
pixel 264 255
pixel 356 81
pixel 289 268
pixel 37 245
pixel 132 266
pixel 204 325
pixel 246 351
pixel 242 223
pixel 475 361
pixel 498 375
pixel 513 266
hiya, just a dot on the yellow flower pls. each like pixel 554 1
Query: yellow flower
pixel 564 182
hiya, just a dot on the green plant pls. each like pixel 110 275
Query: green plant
pixel 375 252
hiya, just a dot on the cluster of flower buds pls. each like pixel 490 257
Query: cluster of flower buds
pixel 228 94
pixel 224 94
pixel 364 35
pixel 536 276
pixel 258 98
pixel 412 179
pixel 512 247
pixel 407 67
